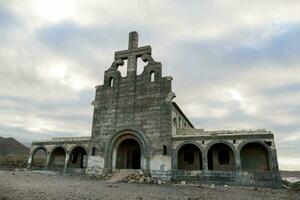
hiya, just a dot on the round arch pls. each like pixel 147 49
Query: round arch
pixel 116 139
pixel 82 146
pixel 77 157
pixel 42 159
pixel 221 156
pixel 189 157
pixel 255 155
pixel 33 151
pixel 57 157
pixel 177 149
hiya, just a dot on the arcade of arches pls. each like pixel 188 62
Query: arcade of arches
pixel 220 157
pixel 58 158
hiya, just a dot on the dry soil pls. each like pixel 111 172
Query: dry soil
pixel 34 185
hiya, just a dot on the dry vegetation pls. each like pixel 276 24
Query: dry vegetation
pixel 12 161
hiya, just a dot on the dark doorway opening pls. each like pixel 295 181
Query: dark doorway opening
pixel 77 158
pixel 58 157
pixel 189 157
pixel 254 157
pixel 221 158
pixel 129 155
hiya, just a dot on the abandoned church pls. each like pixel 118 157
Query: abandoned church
pixel 138 126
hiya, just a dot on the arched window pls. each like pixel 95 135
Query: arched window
pixel 179 122
pixel 152 78
pixel 175 121
pixel 111 82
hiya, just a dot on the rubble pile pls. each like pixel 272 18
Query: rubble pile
pixel 141 178
pixel 106 176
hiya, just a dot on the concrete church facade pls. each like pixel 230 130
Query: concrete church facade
pixel 137 125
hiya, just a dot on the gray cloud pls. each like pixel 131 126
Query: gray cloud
pixel 234 65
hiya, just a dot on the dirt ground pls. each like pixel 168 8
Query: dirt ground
pixel 34 185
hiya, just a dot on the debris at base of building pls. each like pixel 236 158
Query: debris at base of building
pixel 140 178
pixel 290 184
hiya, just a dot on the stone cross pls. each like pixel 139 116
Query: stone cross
pixel 132 53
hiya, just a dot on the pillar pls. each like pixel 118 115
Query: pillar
pixel 238 165
pixel 48 160
pixel 66 162
pixel 204 161
pixel 29 161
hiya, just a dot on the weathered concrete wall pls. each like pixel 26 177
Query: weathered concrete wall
pixel 133 103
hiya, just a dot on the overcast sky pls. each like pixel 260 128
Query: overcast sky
pixel 235 64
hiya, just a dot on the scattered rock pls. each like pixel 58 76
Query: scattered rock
pixel 140 178
pixel 195 198
pixel 295 186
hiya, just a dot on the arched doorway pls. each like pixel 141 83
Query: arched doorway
pixel 128 155
pixel 78 158
pixel 254 157
pixel 189 157
pixel 39 158
pixel 220 157
pixel 57 159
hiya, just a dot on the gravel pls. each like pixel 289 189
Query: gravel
pixel 49 185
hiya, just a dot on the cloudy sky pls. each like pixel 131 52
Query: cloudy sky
pixel 235 63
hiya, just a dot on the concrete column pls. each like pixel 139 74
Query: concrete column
pixel 29 161
pixel 48 160
pixel 204 162
pixel 238 165
pixel 273 162
pixel 66 162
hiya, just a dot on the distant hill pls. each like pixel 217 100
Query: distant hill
pixel 10 146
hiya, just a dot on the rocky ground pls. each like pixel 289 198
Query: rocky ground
pixel 50 185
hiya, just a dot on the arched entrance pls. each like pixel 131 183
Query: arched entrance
pixel 114 142
pixel 57 159
pixel 189 157
pixel 39 158
pixel 254 157
pixel 77 158
pixel 220 157
pixel 128 155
